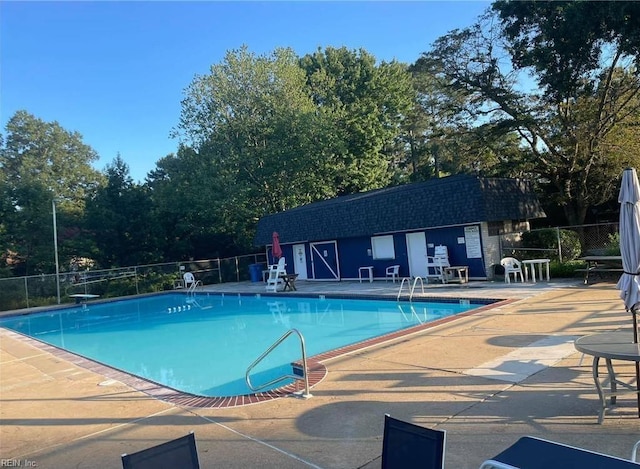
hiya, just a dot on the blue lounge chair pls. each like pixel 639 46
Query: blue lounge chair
pixel 535 453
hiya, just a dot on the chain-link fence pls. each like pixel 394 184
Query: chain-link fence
pixel 51 289
pixel 563 243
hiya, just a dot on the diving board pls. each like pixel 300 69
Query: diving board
pixel 83 297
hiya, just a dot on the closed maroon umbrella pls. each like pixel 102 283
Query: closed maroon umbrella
pixel 276 250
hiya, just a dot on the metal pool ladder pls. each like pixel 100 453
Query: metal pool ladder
pixel 412 288
pixel 305 374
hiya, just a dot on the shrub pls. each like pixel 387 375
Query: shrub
pixel 547 241
pixel 613 247
pixel 565 269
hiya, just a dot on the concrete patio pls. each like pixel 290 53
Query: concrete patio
pixel 458 377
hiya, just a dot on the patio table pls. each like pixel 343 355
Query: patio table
pixel 364 270
pixel 531 263
pixel 610 346
pixel 289 282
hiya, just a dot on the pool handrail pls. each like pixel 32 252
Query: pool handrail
pixel 305 374
pixel 412 288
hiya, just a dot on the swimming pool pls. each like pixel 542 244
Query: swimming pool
pixel 203 344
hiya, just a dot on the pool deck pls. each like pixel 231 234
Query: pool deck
pixel 487 378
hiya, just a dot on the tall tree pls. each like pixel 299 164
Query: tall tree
pixel 566 123
pixel 366 105
pixel 194 202
pixel 566 42
pixel 122 222
pixel 40 162
pixel 273 132
pixel 254 125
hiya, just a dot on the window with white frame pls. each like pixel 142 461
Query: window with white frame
pixel 382 247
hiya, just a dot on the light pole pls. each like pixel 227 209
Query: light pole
pixel 55 247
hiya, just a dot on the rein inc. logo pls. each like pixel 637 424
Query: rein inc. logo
pixel 11 462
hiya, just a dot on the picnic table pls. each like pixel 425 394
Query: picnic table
pixel 600 265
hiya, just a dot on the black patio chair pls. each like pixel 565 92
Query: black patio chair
pixel 179 453
pixel 405 446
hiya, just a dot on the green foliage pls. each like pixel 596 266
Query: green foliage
pixel 122 222
pixel 580 125
pixel 547 239
pixel 570 244
pixel 566 41
pixel 365 105
pixel 41 162
pixel 254 148
pixel 269 133
pixel 565 269
pixel 613 246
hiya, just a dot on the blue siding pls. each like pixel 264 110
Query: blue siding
pixel 457 252
pixel 354 253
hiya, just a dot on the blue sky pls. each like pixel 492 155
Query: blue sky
pixel 115 71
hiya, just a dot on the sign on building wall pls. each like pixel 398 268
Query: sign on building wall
pixel 472 242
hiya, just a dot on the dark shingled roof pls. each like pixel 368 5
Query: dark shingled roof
pixel 453 200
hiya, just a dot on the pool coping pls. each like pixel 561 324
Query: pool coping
pixel 316 368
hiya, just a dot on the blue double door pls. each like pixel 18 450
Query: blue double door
pixel 324 260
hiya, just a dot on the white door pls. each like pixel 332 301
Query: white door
pixel 417 253
pixel 300 261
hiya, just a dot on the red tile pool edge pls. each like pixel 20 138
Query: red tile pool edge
pixel 317 371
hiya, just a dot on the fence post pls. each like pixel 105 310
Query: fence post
pixel 237 270
pixel 559 244
pixel 26 291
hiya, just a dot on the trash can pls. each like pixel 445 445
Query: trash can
pixel 255 272
pixel 498 271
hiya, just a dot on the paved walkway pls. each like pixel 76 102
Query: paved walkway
pixel 487 379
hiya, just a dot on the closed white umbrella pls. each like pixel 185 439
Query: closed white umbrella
pixel 629 283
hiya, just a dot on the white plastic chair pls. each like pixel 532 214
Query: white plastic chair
pixel 512 266
pixel 190 282
pixel 393 272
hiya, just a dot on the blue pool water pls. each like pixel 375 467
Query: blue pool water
pixel 203 344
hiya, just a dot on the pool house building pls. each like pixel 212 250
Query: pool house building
pixel 401 225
